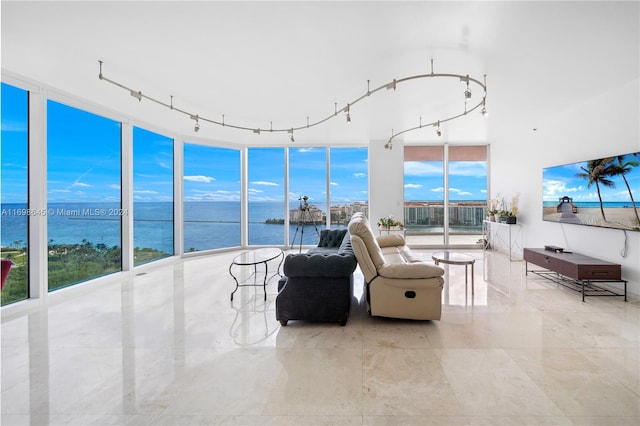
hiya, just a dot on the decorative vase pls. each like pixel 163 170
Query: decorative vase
pixel 511 220
pixel 492 218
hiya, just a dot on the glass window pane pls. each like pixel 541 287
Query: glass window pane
pixel 83 190
pixel 349 184
pixel 152 196
pixel 307 178
pixel 424 194
pixel 467 193
pixel 211 197
pixel 266 196
pixel 14 191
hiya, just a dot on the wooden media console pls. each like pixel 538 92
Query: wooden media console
pixel 575 271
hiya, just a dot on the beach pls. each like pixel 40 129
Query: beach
pixel 617 217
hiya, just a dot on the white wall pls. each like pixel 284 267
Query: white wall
pixel 604 125
pixel 386 181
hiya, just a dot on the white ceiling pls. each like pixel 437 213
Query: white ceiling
pixel 281 62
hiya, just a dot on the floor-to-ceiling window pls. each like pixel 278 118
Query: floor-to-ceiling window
pixel 83 191
pixel 266 196
pixel 307 194
pixel 14 191
pixel 349 184
pixel 211 197
pixel 467 173
pixel 439 177
pixel 424 193
pixel 152 196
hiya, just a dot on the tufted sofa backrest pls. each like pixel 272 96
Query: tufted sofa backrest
pixel 331 237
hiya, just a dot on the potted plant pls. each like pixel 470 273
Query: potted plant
pixel 388 222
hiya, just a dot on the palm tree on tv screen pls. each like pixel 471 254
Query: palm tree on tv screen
pixel 622 168
pixel 598 172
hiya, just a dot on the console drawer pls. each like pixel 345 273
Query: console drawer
pixel 548 262
pixel 592 271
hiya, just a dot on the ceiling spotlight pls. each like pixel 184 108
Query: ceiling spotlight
pixel 291 135
pixel 467 92
pixel 196 127
pixel 484 111
pixel 348 115
pixel 388 145
pixel 438 131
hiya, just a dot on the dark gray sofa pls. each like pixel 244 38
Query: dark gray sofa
pixel 318 285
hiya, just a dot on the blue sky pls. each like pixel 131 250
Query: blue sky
pixel 84 165
pixel 561 180
pixel 424 180
pixel 14 144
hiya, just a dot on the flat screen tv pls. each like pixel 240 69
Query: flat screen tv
pixel 601 192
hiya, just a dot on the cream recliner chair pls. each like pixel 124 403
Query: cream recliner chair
pixel 397 283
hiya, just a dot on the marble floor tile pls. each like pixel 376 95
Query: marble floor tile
pixel 165 345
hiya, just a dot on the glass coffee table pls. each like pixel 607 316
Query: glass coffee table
pixel 254 258
pixel 456 259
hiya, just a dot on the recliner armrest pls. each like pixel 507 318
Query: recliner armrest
pixel 410 270
pixel 319 265
pixel 390 240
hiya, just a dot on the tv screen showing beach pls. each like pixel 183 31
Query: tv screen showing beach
pixel 601 192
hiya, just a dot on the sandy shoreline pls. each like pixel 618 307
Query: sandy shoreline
pixel 623 218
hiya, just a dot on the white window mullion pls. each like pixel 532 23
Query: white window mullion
pixel 126 191
pixel 38 244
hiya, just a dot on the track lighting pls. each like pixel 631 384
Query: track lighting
pixel 389 144
pixel 196 127
pixel 392 85
pixel 467 92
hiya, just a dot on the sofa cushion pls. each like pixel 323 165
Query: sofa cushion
pixel 345 246
pixel 331 237
pixel 410 270
pixel 359 225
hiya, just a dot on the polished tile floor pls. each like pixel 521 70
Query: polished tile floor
pixel 165 346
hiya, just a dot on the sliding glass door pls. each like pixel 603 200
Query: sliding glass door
pixel 445 191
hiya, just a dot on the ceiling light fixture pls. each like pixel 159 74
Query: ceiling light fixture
pixel 438 131
pixel 347 109
pixel 196 127
pixel 467 92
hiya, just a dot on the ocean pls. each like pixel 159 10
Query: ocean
pixel 207 225
pixel 593 204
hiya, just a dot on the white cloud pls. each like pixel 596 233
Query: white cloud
pixel 264 183
pixel 83 185
pixel 416 168
pixel 199 178
pixel 359 175
pixel 413 185
pixel 333 183
pixel 145 192
pixel 438 189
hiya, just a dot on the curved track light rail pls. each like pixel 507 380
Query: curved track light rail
pixel 346 109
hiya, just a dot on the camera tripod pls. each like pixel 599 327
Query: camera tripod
pixel 304 215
